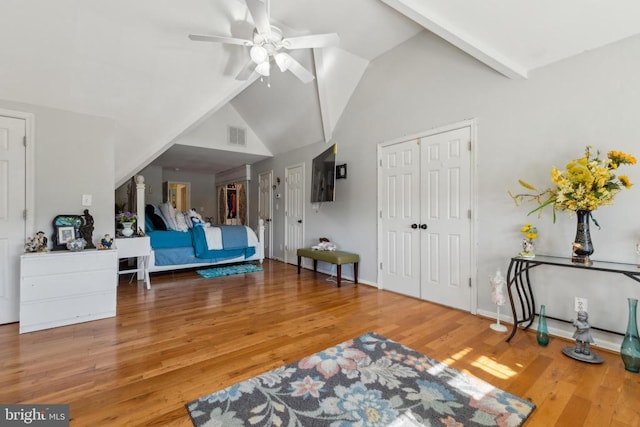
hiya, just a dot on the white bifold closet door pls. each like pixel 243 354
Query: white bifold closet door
pixel 425 218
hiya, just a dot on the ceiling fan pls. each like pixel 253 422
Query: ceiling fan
pixel 269 45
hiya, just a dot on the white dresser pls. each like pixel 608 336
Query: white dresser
pixel 63 287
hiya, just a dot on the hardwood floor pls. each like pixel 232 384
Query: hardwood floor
pixel 190 336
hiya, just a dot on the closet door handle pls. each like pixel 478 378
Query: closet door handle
pixel 423 226
pixel 414 226
pixel 299 221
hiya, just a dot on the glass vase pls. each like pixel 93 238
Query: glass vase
pixel 630 348
pixel 543 333
pixel 528 250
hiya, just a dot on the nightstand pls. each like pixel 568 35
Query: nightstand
pixel 136 247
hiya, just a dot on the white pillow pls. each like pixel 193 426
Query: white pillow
pixel 187 219
pixel 169 215
pixel 181 224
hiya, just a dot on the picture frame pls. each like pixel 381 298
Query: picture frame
pixel 341 171
pixel 66 234
pixel 65 228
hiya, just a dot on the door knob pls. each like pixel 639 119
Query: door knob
pixel 414 226
pixel 423 226
pixel 299 221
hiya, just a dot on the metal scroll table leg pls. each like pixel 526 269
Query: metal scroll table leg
pixel 510 282
pixel 518 280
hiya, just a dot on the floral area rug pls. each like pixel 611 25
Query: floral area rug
pixel 229 270
pixel 366 381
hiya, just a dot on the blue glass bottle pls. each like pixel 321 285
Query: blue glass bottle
pixel 543 333
pixel 630 348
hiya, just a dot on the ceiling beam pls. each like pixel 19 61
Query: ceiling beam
pixel 420 13
pixel 323 96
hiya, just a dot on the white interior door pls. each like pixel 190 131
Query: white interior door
pixel 294 212
pixel 399 188
pixel 265 209
pixel 12 208
pixel 425 226
pixel 446 212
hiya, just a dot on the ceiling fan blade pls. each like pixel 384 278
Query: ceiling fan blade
pixel 220 39
pixel 298 70
pixel 246 71
pixel 258 9
pixel 314 40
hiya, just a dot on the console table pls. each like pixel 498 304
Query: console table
pixel 519 282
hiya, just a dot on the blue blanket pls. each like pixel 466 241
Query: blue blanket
pixel 234 242
pixel 161 239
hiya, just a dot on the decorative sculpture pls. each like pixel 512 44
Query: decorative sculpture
pixel 38 243
pixel 497 296
pixel 106 242
pixel 582 350
pixel 86 229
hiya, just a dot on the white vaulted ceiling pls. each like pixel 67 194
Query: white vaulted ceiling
pixel 132 60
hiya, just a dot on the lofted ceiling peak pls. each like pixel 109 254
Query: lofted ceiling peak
pixel 133 61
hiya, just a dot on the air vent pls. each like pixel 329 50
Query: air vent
pixel 237 136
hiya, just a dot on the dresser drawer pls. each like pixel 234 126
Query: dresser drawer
pixel 41 264
pixel 60 286
pixel 37 315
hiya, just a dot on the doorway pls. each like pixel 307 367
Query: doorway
pixel 294 212
pixel 16 205
pixel 265 209
pixel 425 227
pixel 178 194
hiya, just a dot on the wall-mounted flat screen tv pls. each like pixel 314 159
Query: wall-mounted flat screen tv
pixel 323 176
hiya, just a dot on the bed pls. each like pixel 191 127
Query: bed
pixel 195 245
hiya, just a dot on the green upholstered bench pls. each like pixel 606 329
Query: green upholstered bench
pixel 333 257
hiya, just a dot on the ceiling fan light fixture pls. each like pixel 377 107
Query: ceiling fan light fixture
pixel 264 68
pixel 283 60
pixel 259 54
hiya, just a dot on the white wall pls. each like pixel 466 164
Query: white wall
pixel 73 156
pixel 329 219
pixel 524 128
pixel 212 133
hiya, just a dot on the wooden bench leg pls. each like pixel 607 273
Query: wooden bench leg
pixel 299 263
pixel 339 274
pixel 355 272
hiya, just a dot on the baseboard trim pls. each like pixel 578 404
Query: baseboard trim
pixel 604 340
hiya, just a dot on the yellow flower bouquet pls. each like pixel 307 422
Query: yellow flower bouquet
pixel 587 183
pixel 530 232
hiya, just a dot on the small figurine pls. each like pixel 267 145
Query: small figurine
pixel 37 243
pixel 42 241
pixel 582 335
pixel 106 242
